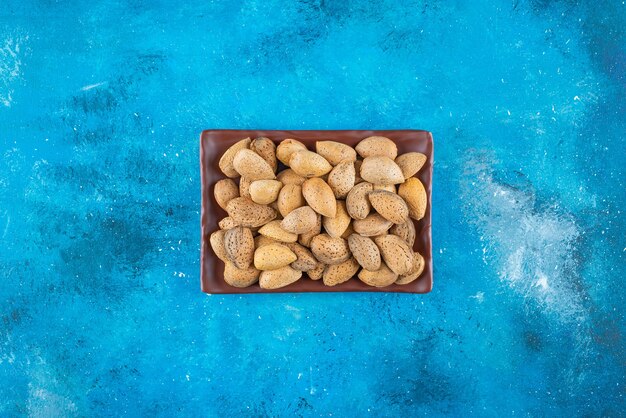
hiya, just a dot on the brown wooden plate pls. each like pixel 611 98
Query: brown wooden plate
pixel 213 143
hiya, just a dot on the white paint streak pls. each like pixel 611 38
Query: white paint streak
pixel 10 68
pixel 92 86
pixel 532 249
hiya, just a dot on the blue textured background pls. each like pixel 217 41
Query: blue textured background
pixel 101 104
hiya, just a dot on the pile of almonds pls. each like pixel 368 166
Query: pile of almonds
pixel 328 214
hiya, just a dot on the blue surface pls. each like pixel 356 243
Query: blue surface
pixel 101 104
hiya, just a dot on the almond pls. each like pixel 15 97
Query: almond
pixel 414 194
pixel 396 253
pixel 377 145
pixel 335 152
pixel 379 278
pixel 217 244
pixel 340 273
pixel 357 203
pixel 357 171
pixel 389 205
pixel 317 272
pixel 290 198
pixel 349 231
pixel 251 165
pixel 335 227
pixel 240 277
pixel 266 148
pixel 330 250
pixel 274 279
pixel 273 256
pixel 365 251
pixel 247 213
pixel 287 147
pixel 244 187
pixel 300 220
pixel 305 239
pixel 288 176
pixel 239 245
pixel 406 231
pixel 381 170
pixel 415 272
pixel 374 224
pixel 410 163
pixel 389 187
pixel 309 164
pixel 226 161
pixel 341 179
pixel 227 223
pixel 224 191
pixel 320 197
pixel 261 240
pixel 265 192
pixel 305 260
pixel 275 231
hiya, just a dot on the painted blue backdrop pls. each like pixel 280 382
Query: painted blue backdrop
pixel 101 104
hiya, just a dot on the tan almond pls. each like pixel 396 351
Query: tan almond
pixel 320 197
pixel 330 250
pixel 389 205
pixel 251 165
pixel 396 253
pixel 274 230
pixel 388 187
pixel 381 170
pixel 357 172
pixel 317 272
pixel 217 244
pixel 341 179
pixel 226 161
pixel 374 224
pixel 288 176
pixel 305 239
pixel 240 277
pixel 377 146
pixel 244 187
pixel 266 148
pixel 309 164
pixel 273 256
pixel 340 273
pixel 410 163
pixel 275 279
pixel 247 213
pixel 416 271
pixel 379 278
pixel 406 231
pixel 336 226
pixel 290 198
pixel 287 147
pixel 414 194
pixel 225 190
pixel 305 260
pixel 261 240
pixel 349 231
pixel 365 251
pixel 265 192
pixel 227 223
pixel 357 203
pixel 300 220
pixel 335 152
pixel 239 245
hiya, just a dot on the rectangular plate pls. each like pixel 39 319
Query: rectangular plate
pixel 213 143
